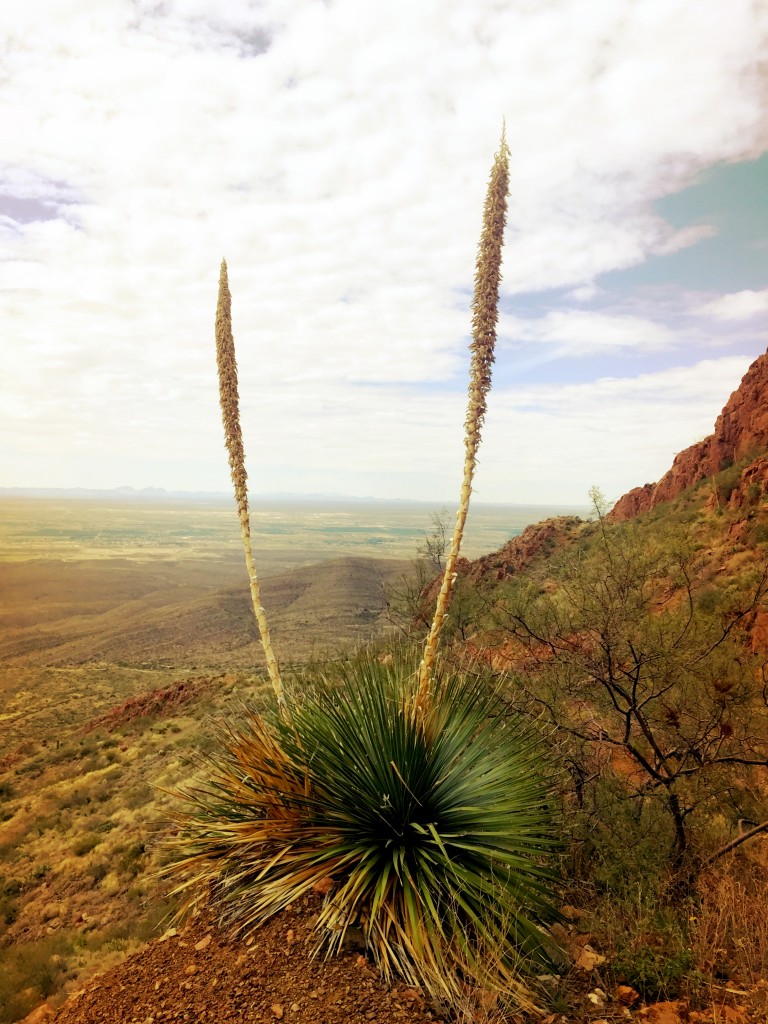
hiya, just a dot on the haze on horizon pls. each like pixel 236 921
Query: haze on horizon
pixel 337 155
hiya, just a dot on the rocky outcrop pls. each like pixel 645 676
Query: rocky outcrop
pixel 161 702
pixel 518 554
pixel 741 429
pixel 749 490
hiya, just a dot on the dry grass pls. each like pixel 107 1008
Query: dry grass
pixel 729 933
pixel 79 833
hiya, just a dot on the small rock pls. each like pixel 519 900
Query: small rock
pixel 203 943
pixel 191 969
pixel 323 886
pixel 277 1010
pixel 289 935
pixel 668 1012
pixel 295 1007
pixel 169 934
pixel 596 997
pixel 588 959
pixel 410 995
pixel 626 995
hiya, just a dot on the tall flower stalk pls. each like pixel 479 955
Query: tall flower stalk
pixel 485 314
pixel 230 414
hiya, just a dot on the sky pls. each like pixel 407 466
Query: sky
pixel 337 154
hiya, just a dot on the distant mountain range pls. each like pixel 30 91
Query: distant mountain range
pixel 161 494
pixel 126 493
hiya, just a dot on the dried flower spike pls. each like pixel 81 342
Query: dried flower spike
pixel 230 414
pixel 485 314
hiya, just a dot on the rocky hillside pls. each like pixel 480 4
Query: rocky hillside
pixel 741 431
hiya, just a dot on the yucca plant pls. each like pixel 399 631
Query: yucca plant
pixel 438 849
pixel 405 784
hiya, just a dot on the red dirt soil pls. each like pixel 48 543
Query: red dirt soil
pixel 200 975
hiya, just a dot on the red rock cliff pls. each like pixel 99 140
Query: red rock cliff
pixel 741 428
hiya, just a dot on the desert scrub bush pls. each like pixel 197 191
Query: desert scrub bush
pixel 84 844
pixel 438 851
pixel 662 969
pixel 644 931
pixel 98 872
pixel 639 680
pixel 139 795
pixel 131 858
pixel 617 845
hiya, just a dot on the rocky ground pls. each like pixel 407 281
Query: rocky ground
pixel 199 975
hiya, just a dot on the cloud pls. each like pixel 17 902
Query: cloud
pixel 555 442
pixel 736 305
pixel 575 332
pixel 337 155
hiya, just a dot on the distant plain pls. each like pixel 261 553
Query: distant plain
pixel 285 533
pixel 104 598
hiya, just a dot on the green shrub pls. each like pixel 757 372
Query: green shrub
pixel 655 971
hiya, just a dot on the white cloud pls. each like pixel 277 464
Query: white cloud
pixel 576 332
pixel 556 442
pixel 341 172
pixel 736 305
